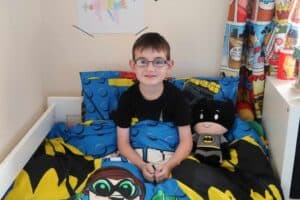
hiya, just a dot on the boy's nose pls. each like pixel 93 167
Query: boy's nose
pixel 150 66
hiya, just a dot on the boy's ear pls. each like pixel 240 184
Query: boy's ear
pixel 131 64
pixel 170 63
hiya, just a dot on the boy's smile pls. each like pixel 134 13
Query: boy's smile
pixel 150 76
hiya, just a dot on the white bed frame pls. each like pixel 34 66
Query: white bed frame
pixel 60 109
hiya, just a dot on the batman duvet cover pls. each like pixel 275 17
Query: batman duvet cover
pixel 84 170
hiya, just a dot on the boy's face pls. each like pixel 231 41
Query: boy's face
pixel 153 73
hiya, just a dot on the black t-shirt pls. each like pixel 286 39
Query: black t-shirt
pixel 169 107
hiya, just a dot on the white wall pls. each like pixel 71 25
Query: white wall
pixel 41 54
pixel 194 28
pixel 21 92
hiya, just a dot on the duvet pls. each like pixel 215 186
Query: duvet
pixel 81 162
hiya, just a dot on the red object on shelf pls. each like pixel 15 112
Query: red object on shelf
pixel 287 69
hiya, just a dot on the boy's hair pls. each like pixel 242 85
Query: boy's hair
pixel 151 40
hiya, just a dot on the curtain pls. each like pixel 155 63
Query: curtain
pixel 260 35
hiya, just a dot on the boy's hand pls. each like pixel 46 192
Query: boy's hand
pixel 148 172
pixel 162 172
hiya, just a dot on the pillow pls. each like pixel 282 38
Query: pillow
pixel 241 129
pixel 221 88
pixel 101 90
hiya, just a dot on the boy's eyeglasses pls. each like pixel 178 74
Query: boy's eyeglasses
pixel 157 62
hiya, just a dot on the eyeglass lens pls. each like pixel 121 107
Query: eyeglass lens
pixel 157 62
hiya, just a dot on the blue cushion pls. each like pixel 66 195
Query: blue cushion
pixel 241 129
pixel 101 91
pixel 217 88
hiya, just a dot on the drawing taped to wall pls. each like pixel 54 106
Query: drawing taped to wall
pixel 111 16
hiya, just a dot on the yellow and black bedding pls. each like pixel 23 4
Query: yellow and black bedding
pixel 58 170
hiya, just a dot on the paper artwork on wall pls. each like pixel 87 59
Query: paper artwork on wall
pixel 111 16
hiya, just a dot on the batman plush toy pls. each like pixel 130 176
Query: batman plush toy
pixel 211 119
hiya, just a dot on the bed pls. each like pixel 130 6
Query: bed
pixel 182 186
pixel 58 109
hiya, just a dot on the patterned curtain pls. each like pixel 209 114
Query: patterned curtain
pixel 259 36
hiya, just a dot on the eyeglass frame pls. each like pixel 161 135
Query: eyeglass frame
pixel 138 192
pixel 166 62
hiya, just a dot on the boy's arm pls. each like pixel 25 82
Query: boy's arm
pixel 126 149
pixel 183 150
pixel 184 147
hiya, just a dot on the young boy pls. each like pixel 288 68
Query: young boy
pixel 155 99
